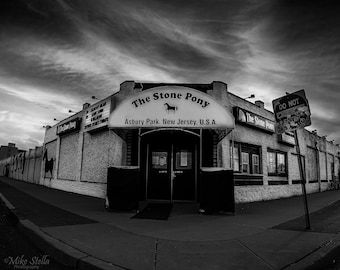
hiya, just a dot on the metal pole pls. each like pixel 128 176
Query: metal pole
pixel 303 182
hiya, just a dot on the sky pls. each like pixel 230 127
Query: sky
pixel 56 54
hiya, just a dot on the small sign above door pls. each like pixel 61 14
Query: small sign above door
pixel 171 106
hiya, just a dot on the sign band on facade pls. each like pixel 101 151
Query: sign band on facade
pixel 171 107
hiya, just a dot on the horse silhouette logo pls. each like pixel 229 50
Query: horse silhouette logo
pixel 170 108
pixel 49 163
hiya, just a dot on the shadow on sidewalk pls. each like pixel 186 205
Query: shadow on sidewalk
pixel 325 220
pixel 39 212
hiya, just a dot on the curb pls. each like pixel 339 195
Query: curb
pixel 59 251
pixel 316 256
pixel 7 203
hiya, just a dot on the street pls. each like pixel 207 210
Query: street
pixel 330 262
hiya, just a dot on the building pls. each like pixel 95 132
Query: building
pixel 9 150
pixel 157 124
pixel 171 134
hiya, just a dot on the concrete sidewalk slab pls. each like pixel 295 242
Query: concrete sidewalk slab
pixel 280 248
pixel 190 227
pixel 108 243
pixel 61 251
pixel 218 255
pixel 40 212
pixel 325 220
pixel 187 240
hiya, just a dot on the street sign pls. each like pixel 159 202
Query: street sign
pixel 291 112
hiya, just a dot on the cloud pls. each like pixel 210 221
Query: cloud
pixel 55 55
pixel 21 129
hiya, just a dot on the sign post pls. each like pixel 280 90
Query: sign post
pixel 292 113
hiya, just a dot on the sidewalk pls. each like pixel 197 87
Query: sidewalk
pixel 261 235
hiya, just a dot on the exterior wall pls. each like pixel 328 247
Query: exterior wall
pixel 337 166
pixel 293 169
pixel 38 163
pixel 224 153
pixel 85 188
pixel 26 166
pixel 323 172
pixel 50 134
pixel 330 162
pixel 263 193
pixel 23 166
pixel 311 168
pixel 31 164
pixel 81 157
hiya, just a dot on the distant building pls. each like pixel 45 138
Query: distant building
pixel 9 150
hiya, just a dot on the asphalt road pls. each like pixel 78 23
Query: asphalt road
pixel 330 262
pixel 16 250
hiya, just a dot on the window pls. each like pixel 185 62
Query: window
pixel 236 159
pixel 245 162
pixel 159 160
pixel 281 163
pixel 246 158
pixel 271 160
pixel 256 163
pixel 183 160
pixel 276 163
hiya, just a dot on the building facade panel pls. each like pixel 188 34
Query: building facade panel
pixel 31 166
pixel 312 165
pixel 68 157
pixel 101 150
pixel 323 166
pixel 25 166
pixel 85 188
pixel 50 134
pixel 294 171
pixel 330 166
pixel 337 166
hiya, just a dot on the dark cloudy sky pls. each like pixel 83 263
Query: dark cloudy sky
pixel 56 54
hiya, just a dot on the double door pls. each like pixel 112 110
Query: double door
pixel 172 171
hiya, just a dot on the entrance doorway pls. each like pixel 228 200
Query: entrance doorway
pixel 171 166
